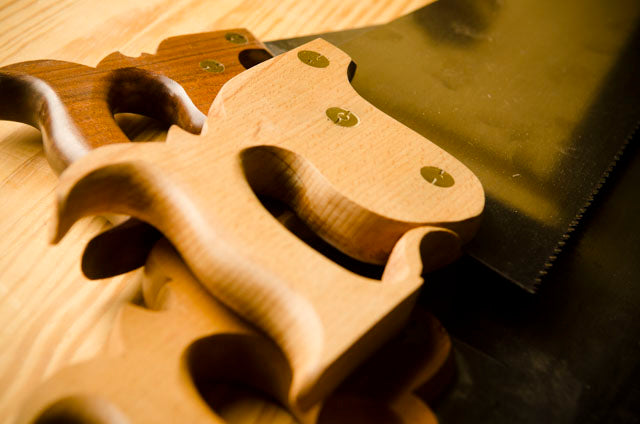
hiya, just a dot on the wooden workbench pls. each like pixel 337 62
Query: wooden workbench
pixel 50 314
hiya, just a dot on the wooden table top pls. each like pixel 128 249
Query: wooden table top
pixel 50 314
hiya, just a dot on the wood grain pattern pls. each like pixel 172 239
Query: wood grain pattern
pixel 188 343
pixel 271 131
pixel 50 315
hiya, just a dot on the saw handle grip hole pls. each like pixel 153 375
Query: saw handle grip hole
pixel 251 57
pixel 141 92
pixel 292 222
pixel 272 174
pixel 140 127
pixel 231 371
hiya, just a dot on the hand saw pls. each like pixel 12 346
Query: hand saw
pixel 537 98
pixel 330 161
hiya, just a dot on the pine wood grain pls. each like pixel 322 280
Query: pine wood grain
pixel 355 179
pixel 50 315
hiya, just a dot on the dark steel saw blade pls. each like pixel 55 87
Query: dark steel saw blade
pixel 538 98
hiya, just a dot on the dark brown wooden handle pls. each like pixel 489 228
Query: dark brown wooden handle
pixel 75 114
pixel 73 105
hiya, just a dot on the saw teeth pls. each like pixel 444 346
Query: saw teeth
pixel 575 222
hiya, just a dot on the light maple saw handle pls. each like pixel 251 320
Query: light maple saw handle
pixel 293 128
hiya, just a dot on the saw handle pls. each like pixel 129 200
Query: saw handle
pixel 73 105
pixel 75 115
pixel 354 177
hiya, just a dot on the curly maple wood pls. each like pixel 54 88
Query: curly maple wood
pixel 358 187
pixel 162 364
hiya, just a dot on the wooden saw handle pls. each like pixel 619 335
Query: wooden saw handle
pixel 73 105
pixel 294 129
pixel 162 364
